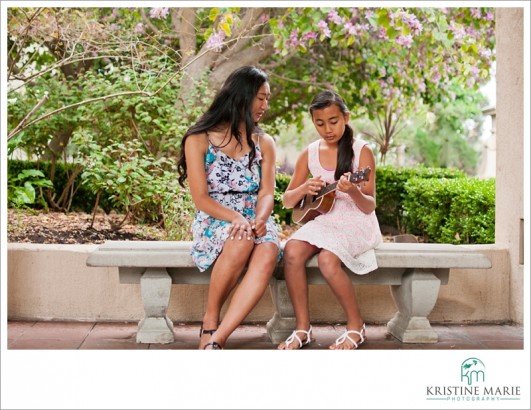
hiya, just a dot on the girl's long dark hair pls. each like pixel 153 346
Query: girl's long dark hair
pixel 231 105
pixel 345 151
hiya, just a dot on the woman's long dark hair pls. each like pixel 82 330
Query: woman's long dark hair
pixel 345 151
pixel 232 105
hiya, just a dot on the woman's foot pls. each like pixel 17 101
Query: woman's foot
pixel 350 339
pixel 204 335
pixel 213 346
pixel 297 340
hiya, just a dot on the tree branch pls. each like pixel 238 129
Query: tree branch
pixel 20 125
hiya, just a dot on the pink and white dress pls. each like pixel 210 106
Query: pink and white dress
pixel 345 230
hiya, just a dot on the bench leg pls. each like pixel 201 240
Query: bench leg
pixel 283 321
pixel 415 300
pixel 155 327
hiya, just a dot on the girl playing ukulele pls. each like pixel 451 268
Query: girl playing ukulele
pixel 346 235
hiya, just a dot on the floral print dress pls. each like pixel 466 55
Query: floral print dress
pixel 232 184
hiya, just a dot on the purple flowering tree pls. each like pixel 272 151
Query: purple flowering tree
pixel 388 61
pixel 384 61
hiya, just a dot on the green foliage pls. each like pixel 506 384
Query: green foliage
pixel 21 189
pixel 391 192
pixel 448 136
pixel 83 200
pixel 178 211
pixel 459 211
pixel 283 214
pixel 132 179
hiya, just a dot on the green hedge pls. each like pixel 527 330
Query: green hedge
pixel 391 192
pixel 443 205
pixel 459 211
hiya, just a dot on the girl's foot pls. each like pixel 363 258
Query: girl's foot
pixel 350 339
pixel 297 340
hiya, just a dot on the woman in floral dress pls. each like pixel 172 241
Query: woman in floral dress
pixel 230 166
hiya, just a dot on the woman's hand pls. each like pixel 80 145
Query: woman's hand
pixel 259 227
pixel 240 228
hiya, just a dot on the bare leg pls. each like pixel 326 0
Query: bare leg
pixel 296 254
pixel 341 285
pixel 251 289
pixel 225 274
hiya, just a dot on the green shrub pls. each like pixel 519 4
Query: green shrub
pixel 83 199
pixel 459 211
pixel 21 188
pixel 282 214
pixel 390 190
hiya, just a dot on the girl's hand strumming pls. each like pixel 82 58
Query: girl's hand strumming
pixel 313 185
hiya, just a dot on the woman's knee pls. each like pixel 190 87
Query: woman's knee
pixel 238 250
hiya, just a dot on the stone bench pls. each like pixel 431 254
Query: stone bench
pixel 413 271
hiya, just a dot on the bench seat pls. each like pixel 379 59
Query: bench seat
pixel 413 271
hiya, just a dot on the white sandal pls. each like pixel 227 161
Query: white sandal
pixel 294 336
pixel 361 333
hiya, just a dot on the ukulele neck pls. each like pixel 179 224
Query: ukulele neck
pixel 326 190
pixel 356 177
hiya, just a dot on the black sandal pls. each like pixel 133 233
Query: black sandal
pixel 215 346
pixel 206 331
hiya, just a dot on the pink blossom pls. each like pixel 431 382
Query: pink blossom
pixel 476 13
pixel 322 24
pixel 364 26
pixel 139 29
pixel 264 18
pixel 382 33
pixel 309 35
pixel 485 53
pixel 215 41
pixel 489 16
pixel 350 29
pixel 369 13
pixel 159 13
pixel 334 17
pixel 458 32
pixel 294 38
pixel 474 70
pixel 405 41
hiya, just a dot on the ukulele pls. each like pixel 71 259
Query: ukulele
pixel 311 206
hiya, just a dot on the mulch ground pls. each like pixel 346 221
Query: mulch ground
pixel 75 228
